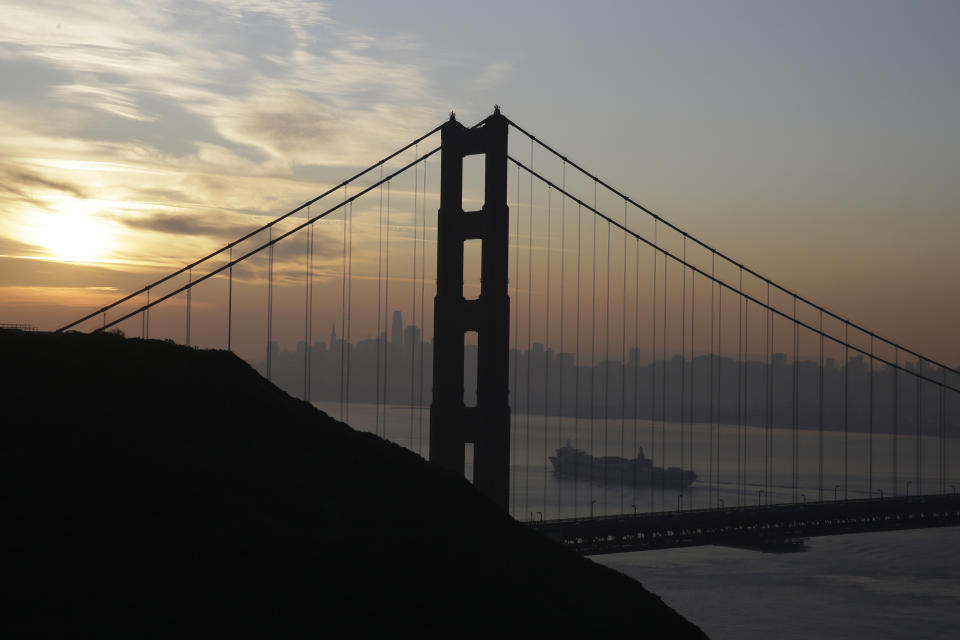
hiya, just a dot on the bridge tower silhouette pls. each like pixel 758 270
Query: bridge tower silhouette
pixel 452 423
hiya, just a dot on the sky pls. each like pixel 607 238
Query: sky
pixel 817 142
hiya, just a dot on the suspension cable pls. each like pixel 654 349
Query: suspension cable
pixel 260 229
pixel 752 299
pixel 712 249
pixel 266 245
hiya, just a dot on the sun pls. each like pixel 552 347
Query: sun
pixel 75 234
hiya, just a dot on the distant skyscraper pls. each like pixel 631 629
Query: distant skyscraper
pixel 411 335
pixel 396 335
pixel 333 335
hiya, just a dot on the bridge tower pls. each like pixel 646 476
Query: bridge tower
pixel 487 425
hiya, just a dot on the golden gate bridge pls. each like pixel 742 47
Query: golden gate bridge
pixel 567 314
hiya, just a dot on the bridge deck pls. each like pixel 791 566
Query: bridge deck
pixel 762 527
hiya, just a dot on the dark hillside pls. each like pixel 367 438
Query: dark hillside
pixel 150 488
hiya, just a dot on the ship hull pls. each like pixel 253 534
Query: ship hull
pixel 573 464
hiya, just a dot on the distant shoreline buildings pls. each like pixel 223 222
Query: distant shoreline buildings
pixel 751 392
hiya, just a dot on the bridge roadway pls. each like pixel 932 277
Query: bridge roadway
pixel 767 527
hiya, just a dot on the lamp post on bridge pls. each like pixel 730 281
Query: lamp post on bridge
pixel 592 502
pixel 759 496
pixel 880 491
pixel 722 505
pixel 836 488
pixel 679 500
pixel 908 487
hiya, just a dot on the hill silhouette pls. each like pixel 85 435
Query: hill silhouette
pixel 153 488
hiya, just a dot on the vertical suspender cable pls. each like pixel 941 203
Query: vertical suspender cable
pixel 381 342
pixel 919 448
pixel 663 401
pixel 529 388
pixel 746 397
pixel 720 413
pixel 563 264
pixel 270 305
pixel 546 359
pixel 943 433
pixel 846 409
pixel 308 312
pixel 576 369
pixel 653 365
pixel 796 397
pixel 623 357
pixel 768 435
pixel 347 343
pixel 593 342
pixel 189 297
pixel 870 427
pixel 740 395
pixel 713 264
pixel 230 303
pixel 606 378
pixel 820 423
pixel 683 357
pixel 896 421
pixel 423 290
pixel 413 298
pixel 693 360
pixel 636 364
pixel 343 311
pixel 386 316
pixel 514 398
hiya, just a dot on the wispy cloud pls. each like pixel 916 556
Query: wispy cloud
pixel 155 114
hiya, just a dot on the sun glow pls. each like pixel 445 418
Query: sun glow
pixel 76 234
